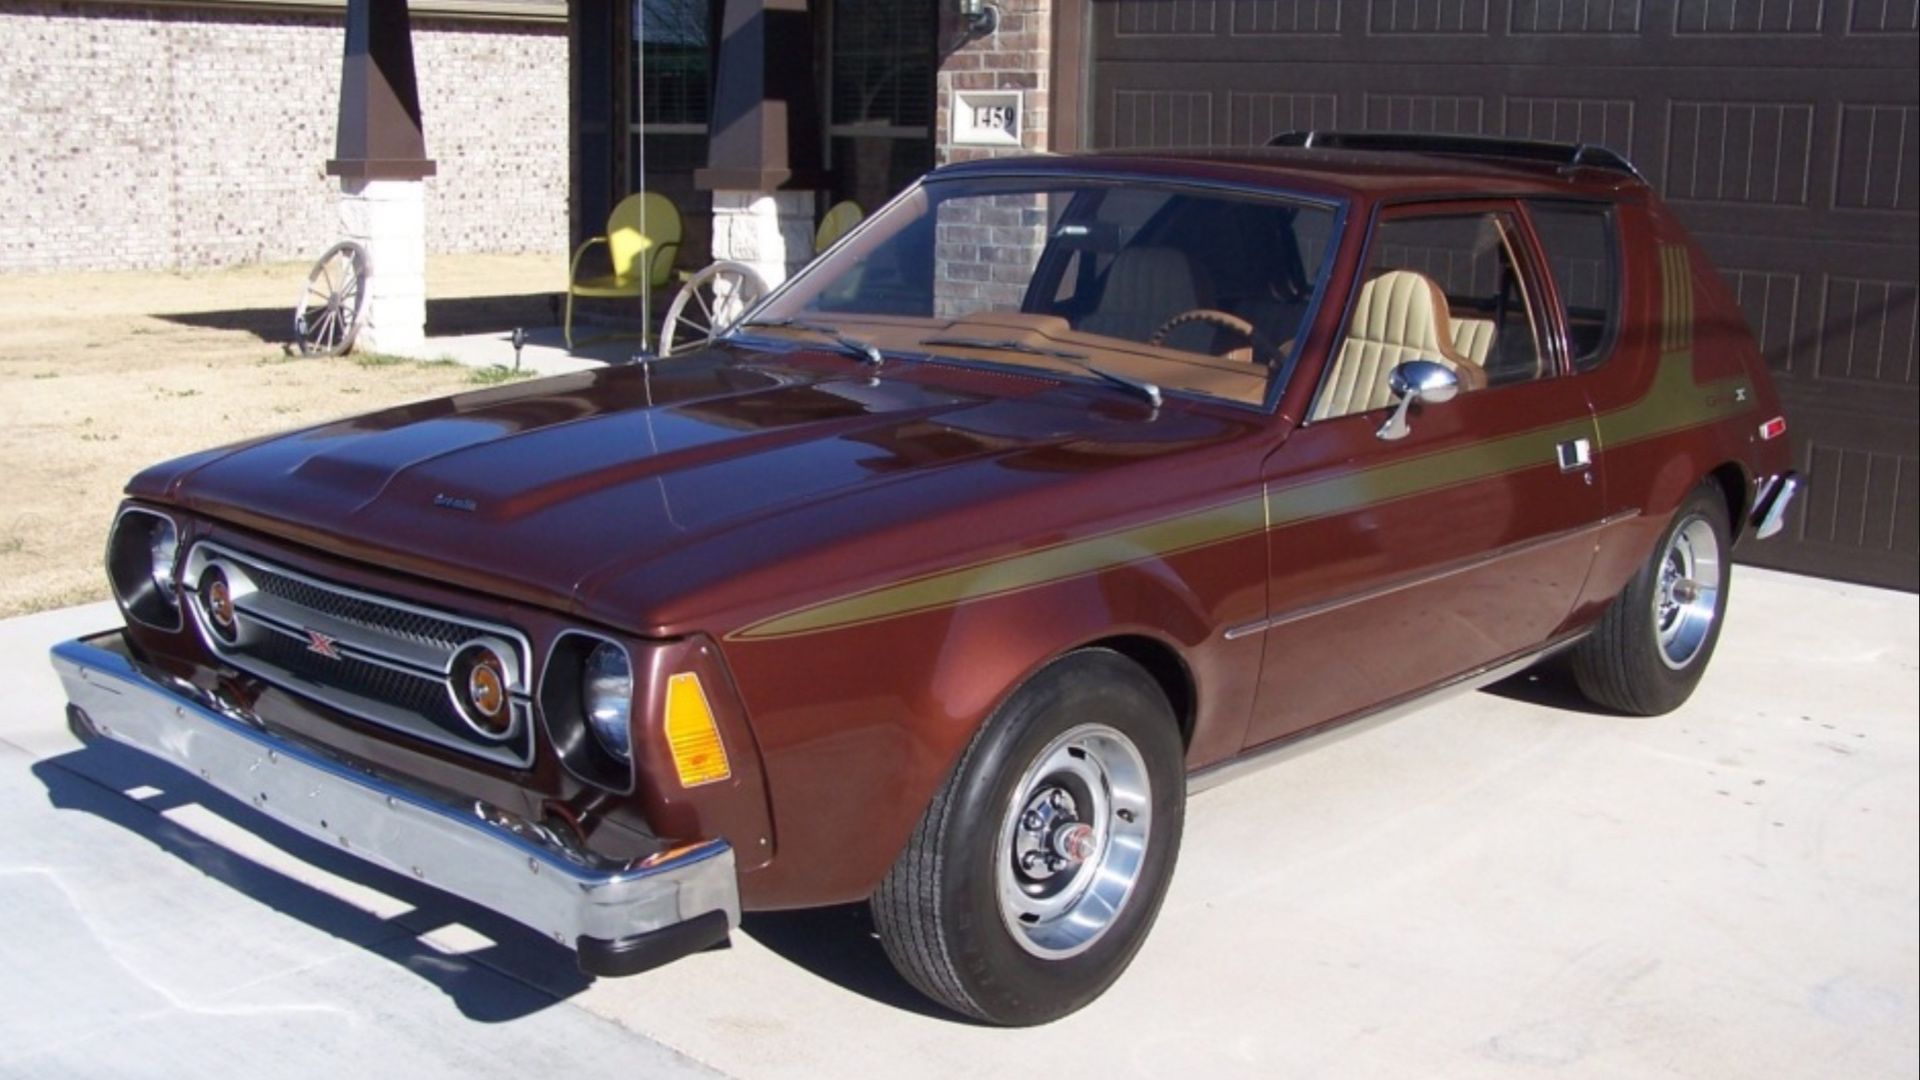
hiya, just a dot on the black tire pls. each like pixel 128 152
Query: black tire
pixel 939 910
pixel 1626 664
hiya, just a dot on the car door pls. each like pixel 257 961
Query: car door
pixel 1399 563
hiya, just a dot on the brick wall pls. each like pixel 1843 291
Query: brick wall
pixel 984 252
pixel 1015 57
pixel 169 138
pixel 984 249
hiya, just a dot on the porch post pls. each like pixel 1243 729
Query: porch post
pixel 380 156
pixel 763 148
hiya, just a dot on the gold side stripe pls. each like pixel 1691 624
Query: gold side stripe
pixel 1024 570
pixel 1673 403
pixel 1676 294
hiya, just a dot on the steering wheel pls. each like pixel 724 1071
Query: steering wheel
pixel 1260 347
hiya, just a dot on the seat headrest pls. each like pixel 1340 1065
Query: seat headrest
pixel 1407 310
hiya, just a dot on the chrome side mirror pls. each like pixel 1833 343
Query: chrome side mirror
pixel 1416 380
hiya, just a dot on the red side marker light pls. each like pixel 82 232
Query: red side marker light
pixel 1774 428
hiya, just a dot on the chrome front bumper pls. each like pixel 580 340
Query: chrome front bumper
pixel 620 918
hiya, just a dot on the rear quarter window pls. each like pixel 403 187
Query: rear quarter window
pixel 1583 252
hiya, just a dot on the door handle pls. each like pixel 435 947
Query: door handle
pixel 1575 455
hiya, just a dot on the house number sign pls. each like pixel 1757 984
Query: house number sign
pixel 986 117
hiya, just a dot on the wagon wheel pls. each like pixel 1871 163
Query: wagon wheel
pixel 334 303
pixel 708 305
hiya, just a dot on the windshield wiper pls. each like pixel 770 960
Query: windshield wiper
pixel 863 351
pixel 1139 386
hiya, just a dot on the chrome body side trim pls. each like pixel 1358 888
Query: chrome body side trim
pixel 1263 625
pixel 475 851
pixel 1771 514
pixel 1285 747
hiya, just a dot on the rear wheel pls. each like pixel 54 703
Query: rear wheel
pixel 1649 650
pixel 1036 873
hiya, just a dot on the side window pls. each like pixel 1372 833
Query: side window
pixel 1446 288
pixel 1585 259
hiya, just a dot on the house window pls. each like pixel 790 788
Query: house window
pixel 671 83
pixel 880 121
pixel 674 65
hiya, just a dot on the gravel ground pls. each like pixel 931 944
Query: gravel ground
pixel 103 374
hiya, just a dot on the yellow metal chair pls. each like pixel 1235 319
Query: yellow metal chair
pixel 839 221
pixel 642 240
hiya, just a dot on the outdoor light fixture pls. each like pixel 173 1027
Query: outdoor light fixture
pixel 978 19
pixel 982 18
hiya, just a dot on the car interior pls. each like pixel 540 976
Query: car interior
pixel 1445 288
pixel 1220 277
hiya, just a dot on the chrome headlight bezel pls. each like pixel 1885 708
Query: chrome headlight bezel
pixel 481 677
pixel 582 745
pixel 143 561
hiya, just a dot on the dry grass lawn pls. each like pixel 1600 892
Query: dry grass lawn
pixel 103 374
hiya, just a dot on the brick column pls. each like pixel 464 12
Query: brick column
pixel 763 142
pixel 773 233
pixel 389 219
pixel 1017 56
pixel 984 250
pixel 380 156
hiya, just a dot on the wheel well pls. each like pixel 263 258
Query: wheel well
pixel 1167 669
pixel 1732 482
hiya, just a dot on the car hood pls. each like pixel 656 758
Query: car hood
pixel 678 474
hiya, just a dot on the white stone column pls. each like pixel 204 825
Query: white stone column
pixel 773 233
pixel 389 219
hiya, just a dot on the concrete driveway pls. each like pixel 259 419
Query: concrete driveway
pixel 1503 885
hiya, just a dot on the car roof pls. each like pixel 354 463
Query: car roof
pixel 1365 175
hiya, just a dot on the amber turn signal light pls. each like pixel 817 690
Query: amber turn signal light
pixel 694 739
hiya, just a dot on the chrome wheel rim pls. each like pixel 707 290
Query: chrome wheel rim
pixel 1073 841
pixel 1687 597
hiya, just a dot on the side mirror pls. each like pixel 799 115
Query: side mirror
pixel 1417 380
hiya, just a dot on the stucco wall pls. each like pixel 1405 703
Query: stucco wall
pixel 174 138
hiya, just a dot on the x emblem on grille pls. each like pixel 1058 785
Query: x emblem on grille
pixel 318 642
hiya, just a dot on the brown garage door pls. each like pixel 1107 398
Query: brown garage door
pixel 1783 131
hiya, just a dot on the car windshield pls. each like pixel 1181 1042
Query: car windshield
pixel 1151 286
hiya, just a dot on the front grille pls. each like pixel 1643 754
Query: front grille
pixel 366 614
pixel 426 698
pixel 374 657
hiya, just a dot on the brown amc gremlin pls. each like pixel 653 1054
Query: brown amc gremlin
pixel 1059 488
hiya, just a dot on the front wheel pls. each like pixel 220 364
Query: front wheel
pixel 1648 651
pixel 1036 873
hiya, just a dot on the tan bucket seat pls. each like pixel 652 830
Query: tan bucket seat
pixel 1398 316
pixel 1473 339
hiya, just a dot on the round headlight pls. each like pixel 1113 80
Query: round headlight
pixel 606 692
pixel 163 546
